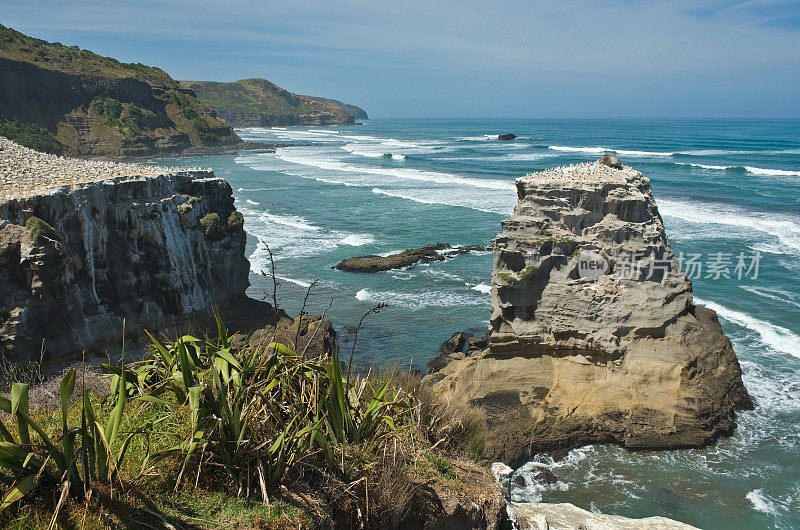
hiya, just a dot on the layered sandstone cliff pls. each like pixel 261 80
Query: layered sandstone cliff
pixel 156 251
pixel 594 337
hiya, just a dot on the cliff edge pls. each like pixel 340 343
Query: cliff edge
pixel 594 337
pixel 153 246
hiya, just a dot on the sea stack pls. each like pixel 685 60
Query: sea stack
pixel 594 336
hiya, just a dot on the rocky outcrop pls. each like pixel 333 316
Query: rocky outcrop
pixel 565 516
pixel 506 137
pixel 406 258
pixel 155 252
pixel 594 337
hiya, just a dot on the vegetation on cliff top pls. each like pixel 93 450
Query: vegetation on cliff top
pixel 204 433
pixel 80 103
pixel 257 99
pixel 30 135
pixel 72 60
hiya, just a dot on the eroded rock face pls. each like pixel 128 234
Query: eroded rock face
pixel 610 352
pixel 132 248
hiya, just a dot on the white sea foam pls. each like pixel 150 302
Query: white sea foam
pixel 771 172
pixel 777 338
pixel 357 240
pixel 774 294
pixel 706 166
pixel 509 157
pixel 290 220
pixel 291 236
pixel 718 152
pixel 482 137
pixel 601 150
pixel 421 300
pixel 501 205
pixel 761 502
pixel 482 288
pixel 362 295
pixel 786 229
pixel 254 203
pixel 315 160
pixel 696 152
pixel 301 283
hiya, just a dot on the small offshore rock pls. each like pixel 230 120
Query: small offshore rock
pixel 506 137
pixel 406 258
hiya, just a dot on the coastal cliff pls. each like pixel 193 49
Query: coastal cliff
pixel 593 333
pixel 157 249
pixel 259 103
pixel 69 101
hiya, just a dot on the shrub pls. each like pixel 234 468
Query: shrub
pixel 212 225
pixel 30 135
pixel 235 221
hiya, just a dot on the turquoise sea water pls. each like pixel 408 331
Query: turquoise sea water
pixel 726 187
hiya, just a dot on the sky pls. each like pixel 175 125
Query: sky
pixel 461 59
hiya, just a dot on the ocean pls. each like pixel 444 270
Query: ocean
pixel 725 189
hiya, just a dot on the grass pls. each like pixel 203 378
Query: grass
pixel 212 225
pixel 40 232
pixel 214 436
pixel 514 277
pixel 539 241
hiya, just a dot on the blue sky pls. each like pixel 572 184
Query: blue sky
pixel 568 58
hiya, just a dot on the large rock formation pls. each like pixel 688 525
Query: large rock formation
pixel 158 252
pixel 594 337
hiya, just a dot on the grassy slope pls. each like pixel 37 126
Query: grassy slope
pixel 115 130
pixel 259 96
pixel 389 476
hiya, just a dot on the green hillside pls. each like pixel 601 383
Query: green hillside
pixel 72 101
pixel 259 103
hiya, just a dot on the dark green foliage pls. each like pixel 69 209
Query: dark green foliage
pixel 220 419
pixel 73 463
pixel 30 135
pixel 212 226
pixel 235 221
